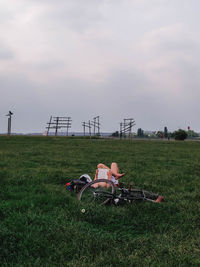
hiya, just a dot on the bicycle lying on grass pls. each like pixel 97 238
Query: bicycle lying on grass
pixel 94 192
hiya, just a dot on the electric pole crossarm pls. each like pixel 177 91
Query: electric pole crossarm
pixel 59 123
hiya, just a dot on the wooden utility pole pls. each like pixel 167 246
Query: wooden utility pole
pixel 68 124
pixel 96 125
pixel 126 127
pixel 56 130
pixel 83 124
pixel 87 125
pixel 49 125
pixel 120 131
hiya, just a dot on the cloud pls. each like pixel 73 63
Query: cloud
pixel 5 52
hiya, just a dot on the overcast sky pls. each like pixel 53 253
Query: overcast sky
pixel 114 58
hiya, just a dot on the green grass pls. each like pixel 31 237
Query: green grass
pixel 41 223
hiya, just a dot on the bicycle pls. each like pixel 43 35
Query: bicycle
pixel 93 192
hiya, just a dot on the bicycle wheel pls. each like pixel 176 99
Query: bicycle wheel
pixel 99 192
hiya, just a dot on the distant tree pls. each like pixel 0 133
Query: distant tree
pixel 169 135
pixel 115 134
pixel 192 133
pixel 165 132
pixel 180 135
pixel 140 132
pixel 160 134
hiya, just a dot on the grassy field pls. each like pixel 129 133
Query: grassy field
pixel 41 223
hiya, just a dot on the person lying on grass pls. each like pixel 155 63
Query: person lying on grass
pixel 104 172
pixel 112 174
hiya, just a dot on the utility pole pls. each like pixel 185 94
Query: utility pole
pixel 83 124
pixel 126 127
pixel 57 120
pixel 68 124
pixel 96 125
pixel 88 125
pixel 49 125
pixel 9 122
pixel 120 131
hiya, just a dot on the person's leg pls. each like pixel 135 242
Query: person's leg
pixel 115 170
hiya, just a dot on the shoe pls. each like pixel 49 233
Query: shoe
pixel 159 199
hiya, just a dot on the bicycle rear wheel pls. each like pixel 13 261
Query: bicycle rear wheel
pixel 99 192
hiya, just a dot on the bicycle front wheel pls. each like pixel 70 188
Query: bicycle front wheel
pixel 99 192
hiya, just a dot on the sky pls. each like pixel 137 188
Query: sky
pixel 115 59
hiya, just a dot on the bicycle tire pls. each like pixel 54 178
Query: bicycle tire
pixel 100 195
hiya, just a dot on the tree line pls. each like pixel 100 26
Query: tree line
pixel 180 134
